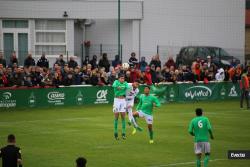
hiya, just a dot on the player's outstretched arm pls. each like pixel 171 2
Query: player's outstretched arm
pixel 156 102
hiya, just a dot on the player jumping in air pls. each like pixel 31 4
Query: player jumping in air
pixel 200 127
pixel 145 110
pixel 120 88
pixel 131 93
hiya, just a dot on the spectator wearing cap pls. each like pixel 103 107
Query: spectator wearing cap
pixel 143 64
pixel 43 62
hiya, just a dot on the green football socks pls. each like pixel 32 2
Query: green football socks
pixel 151 134
pixel 116 126
pixel 198 162
pixel 206 159
pixel 123 126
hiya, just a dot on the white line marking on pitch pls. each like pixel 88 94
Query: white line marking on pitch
pixel 185 163
pixel 53 120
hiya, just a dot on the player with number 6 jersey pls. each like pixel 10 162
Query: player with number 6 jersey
pixel 200 128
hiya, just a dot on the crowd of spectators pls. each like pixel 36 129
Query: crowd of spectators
pixel 105 72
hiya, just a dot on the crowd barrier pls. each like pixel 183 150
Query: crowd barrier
pixel 82 95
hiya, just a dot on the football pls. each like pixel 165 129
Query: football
pixel 125 65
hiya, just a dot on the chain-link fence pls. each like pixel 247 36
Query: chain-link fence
pixel 98 49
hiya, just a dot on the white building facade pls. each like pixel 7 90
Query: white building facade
pixel 60 27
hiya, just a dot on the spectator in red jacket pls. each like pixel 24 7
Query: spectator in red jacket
pixel 170 62
pixel 133 74
pixel 148 77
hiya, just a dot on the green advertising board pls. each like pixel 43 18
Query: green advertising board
pixel 82 95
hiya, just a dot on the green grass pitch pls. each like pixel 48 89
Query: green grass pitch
pixel 55 137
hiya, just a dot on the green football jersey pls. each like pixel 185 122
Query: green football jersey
pixel 146 104
pixel 200 126
pixel 120 88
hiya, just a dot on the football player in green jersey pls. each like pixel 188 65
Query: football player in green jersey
pixel 200 128
pixel 145 110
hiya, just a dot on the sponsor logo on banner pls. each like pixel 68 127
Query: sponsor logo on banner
pixel 56 98
pixel 32 100
pixel 79 98
pixel 233 92
pixel 101 97
pixel 198 92
pixel 7 101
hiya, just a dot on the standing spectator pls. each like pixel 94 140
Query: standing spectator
pixel 60 61
pixel 148 77
pixel 43 62
pixel 11 154
pixel 155 61
pixel 244 86
pixel 81 162
pixel 13 59
pixel 93 62
pixel 29 61
pixel 117 61
pixel 170 62
pixel 104 62
pixel 72 63
pixel 143 64
pixel 209 62
pixel 133 60
pixel 133 74
pixel 153 74
pixel 2 60
pixel 86 61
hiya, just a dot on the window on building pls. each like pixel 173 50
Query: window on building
pixel 50 37
pixel 15 24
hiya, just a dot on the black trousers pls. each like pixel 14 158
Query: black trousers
pixel 244 95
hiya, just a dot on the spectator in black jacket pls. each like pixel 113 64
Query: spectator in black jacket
pixel 104 62
pixel 72 63
pixel 153 74
pixel 117 61
pixel 2 60
pixel 133 60
pixel 155 61
pixel 43 62
pixel 60 61
pixel 29 61
pixel 13 59
pixel 93 62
